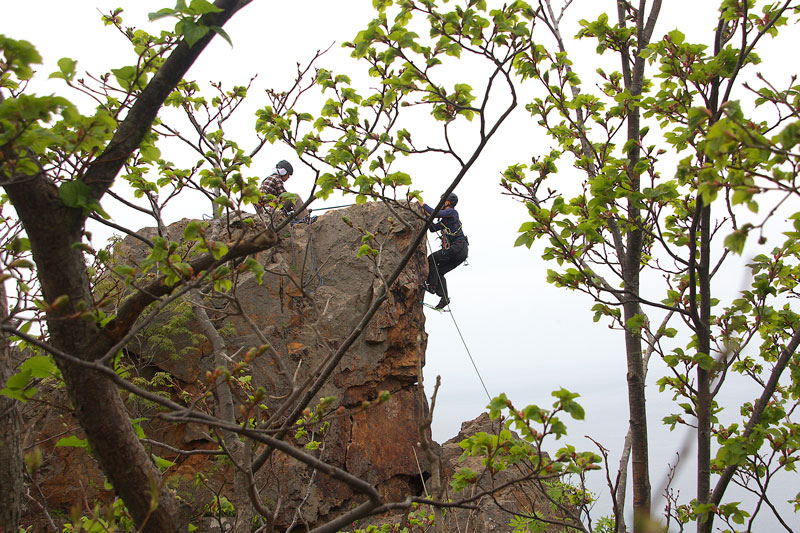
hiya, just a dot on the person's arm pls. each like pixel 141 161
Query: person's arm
pixel 446 212
pixel 286 204
pixel 443 212
pixel 436 226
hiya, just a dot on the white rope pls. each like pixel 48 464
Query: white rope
pixel 452 316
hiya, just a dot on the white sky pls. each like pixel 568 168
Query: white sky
pixel 527 338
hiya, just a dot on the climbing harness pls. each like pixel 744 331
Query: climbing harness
pixel 464 342
pixel 446 236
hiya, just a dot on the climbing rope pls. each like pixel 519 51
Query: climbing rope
pixel 458 329
pixel 332 207
pixel 312 270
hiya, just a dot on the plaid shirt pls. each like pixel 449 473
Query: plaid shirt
pixel 273 185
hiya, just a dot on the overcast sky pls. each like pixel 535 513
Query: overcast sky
pixel 526 337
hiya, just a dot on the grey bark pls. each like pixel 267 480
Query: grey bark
pixel 10 449
pixel 225 409
pixel 634 79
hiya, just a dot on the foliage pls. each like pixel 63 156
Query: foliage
pixel 525 454
pixel 674 206
pixel 20 385
pixel 220 506
pixel 189 22
pixel 419 518
pixel 51 155
pixel 711 157
pixel 101 519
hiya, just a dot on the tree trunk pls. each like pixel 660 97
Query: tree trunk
pixel 703 329
pixel 704 399
pixel 10 450
pixel 239 451
pixel 98 406
pixel 54 230
pixel 633 66
pixel 638 423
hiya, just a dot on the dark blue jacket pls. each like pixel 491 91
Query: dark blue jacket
pixel 449 224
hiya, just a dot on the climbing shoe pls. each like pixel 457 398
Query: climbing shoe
pixel 442 303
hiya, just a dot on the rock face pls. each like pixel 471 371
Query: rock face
pixel 314 292
pixel 493 513
pixel 313 295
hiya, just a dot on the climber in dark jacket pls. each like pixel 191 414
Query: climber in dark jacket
pixel 454 249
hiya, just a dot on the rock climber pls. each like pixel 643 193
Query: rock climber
pixel 273 185
pixel 453 252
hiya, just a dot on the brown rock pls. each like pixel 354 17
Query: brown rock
pixel 313 294
pixel 494 511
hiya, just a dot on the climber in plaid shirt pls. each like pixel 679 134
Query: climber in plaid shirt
pixel 273 185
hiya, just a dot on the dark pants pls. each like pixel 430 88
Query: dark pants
pixel 443 261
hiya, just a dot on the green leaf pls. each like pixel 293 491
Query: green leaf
pixel 19 56
pixel 218 249
pixel 74 442
pixel 137 427
pixel 201 7
pixel 19 245
pixel 193 32
pixel 149 152
pixel 66 69
pixel 75 194
pixel 365 249
pixel 192 230
pixel 676 37
pixel 635 323
pixel 735 241
pixel 40 366
pixel 162 463
pixel 125 76
pixel 496 405
pixel 222 33
pixel 575 410
pixel 526 226
pixel 124 271
pixel 161 13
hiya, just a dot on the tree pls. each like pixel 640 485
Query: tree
pixel 694 109
pixel 629 222
pixel 88 309
pixel 10 452
pixel 35 174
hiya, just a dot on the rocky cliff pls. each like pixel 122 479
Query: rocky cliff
pixel 314 291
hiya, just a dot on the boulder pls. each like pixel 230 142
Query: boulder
pixel 313 294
